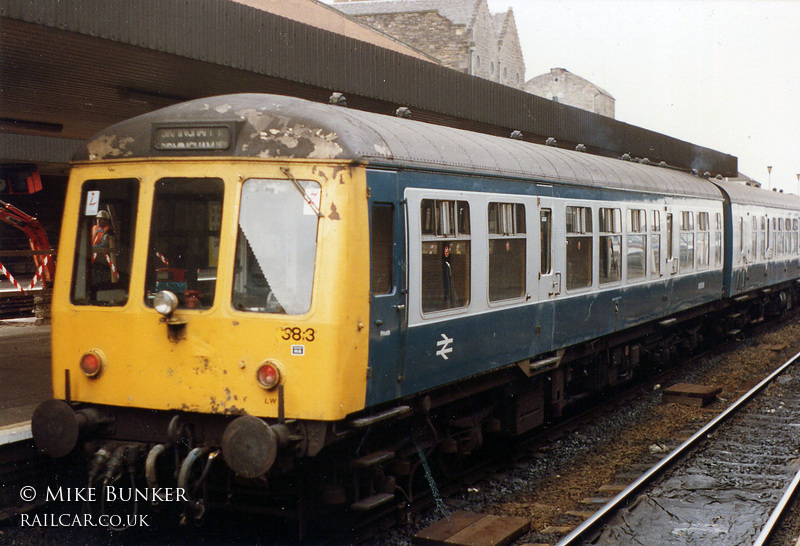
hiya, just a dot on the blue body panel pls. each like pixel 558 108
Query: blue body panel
pixel 510 335
pixel 449 349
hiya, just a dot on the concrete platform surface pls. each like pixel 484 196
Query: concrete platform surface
pixel 24 372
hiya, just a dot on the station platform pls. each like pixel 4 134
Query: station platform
pixel 24 375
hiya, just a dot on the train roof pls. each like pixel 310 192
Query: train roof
pixel 279 127
pixel 749 195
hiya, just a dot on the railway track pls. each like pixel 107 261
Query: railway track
pixel 728 484
pixel 16 305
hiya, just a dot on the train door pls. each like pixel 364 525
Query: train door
pixel 550 241
pixel 550 281
pixel 387 286
pixel 671 247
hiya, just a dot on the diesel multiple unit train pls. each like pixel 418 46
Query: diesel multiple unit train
pixel 278 303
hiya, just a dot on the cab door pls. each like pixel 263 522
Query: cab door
pixel 388 292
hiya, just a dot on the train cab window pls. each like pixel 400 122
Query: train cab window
pixel 636 244
pixel 655 244
pixel 718 239
pixel 184 240
pixel 381 248
pixel 276 246
pixel 754 239
pixel 763 240
pixel 703 240
pixel 686 256
pixel 579 247
pixel 610 246
pixel 104 249
pixel 507 251
pixel 546 241
pixel 446 245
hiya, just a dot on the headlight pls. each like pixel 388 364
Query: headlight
pixel 165 302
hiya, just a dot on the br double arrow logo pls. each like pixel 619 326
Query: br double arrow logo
pixel 445 348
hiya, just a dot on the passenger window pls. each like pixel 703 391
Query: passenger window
pixel 610 246
pixel 636 244
pixel 507 251
pixel 703 239
pixel 445 254
pixel 546 241
pixel 579 247
pixel 686 258
pixel 655 245
pixel 381 248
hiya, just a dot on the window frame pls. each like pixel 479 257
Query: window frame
pixel 446 230
pixel 581 230
pixel 510 226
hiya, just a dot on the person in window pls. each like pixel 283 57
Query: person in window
pixel 450 296
pixel 102 234
pixel 103 259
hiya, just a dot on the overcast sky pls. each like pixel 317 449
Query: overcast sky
pixel 723 74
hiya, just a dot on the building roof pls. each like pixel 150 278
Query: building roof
pixel 543 78
pixel 459 12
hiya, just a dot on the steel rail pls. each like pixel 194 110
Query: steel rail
pixel 622 499
pixel 772 523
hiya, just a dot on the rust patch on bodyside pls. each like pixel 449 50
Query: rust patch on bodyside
pixel 335 172
pixel 334 215
pixel 106 146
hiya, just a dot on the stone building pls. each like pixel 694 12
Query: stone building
pixel 563 86
pixel 461 34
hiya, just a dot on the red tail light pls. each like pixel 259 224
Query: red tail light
pixel 92 363
pixel 268 375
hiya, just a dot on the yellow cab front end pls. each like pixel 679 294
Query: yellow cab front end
pixel 215 286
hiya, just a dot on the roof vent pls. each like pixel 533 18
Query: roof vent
pixel 551 142
pixel 662 164
pixel 403 112
pixel 580 148
pixel 516 135
pixel 695 172
pixel 718 177
pixel 706 175
pixel 626 157
pixel 338 99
